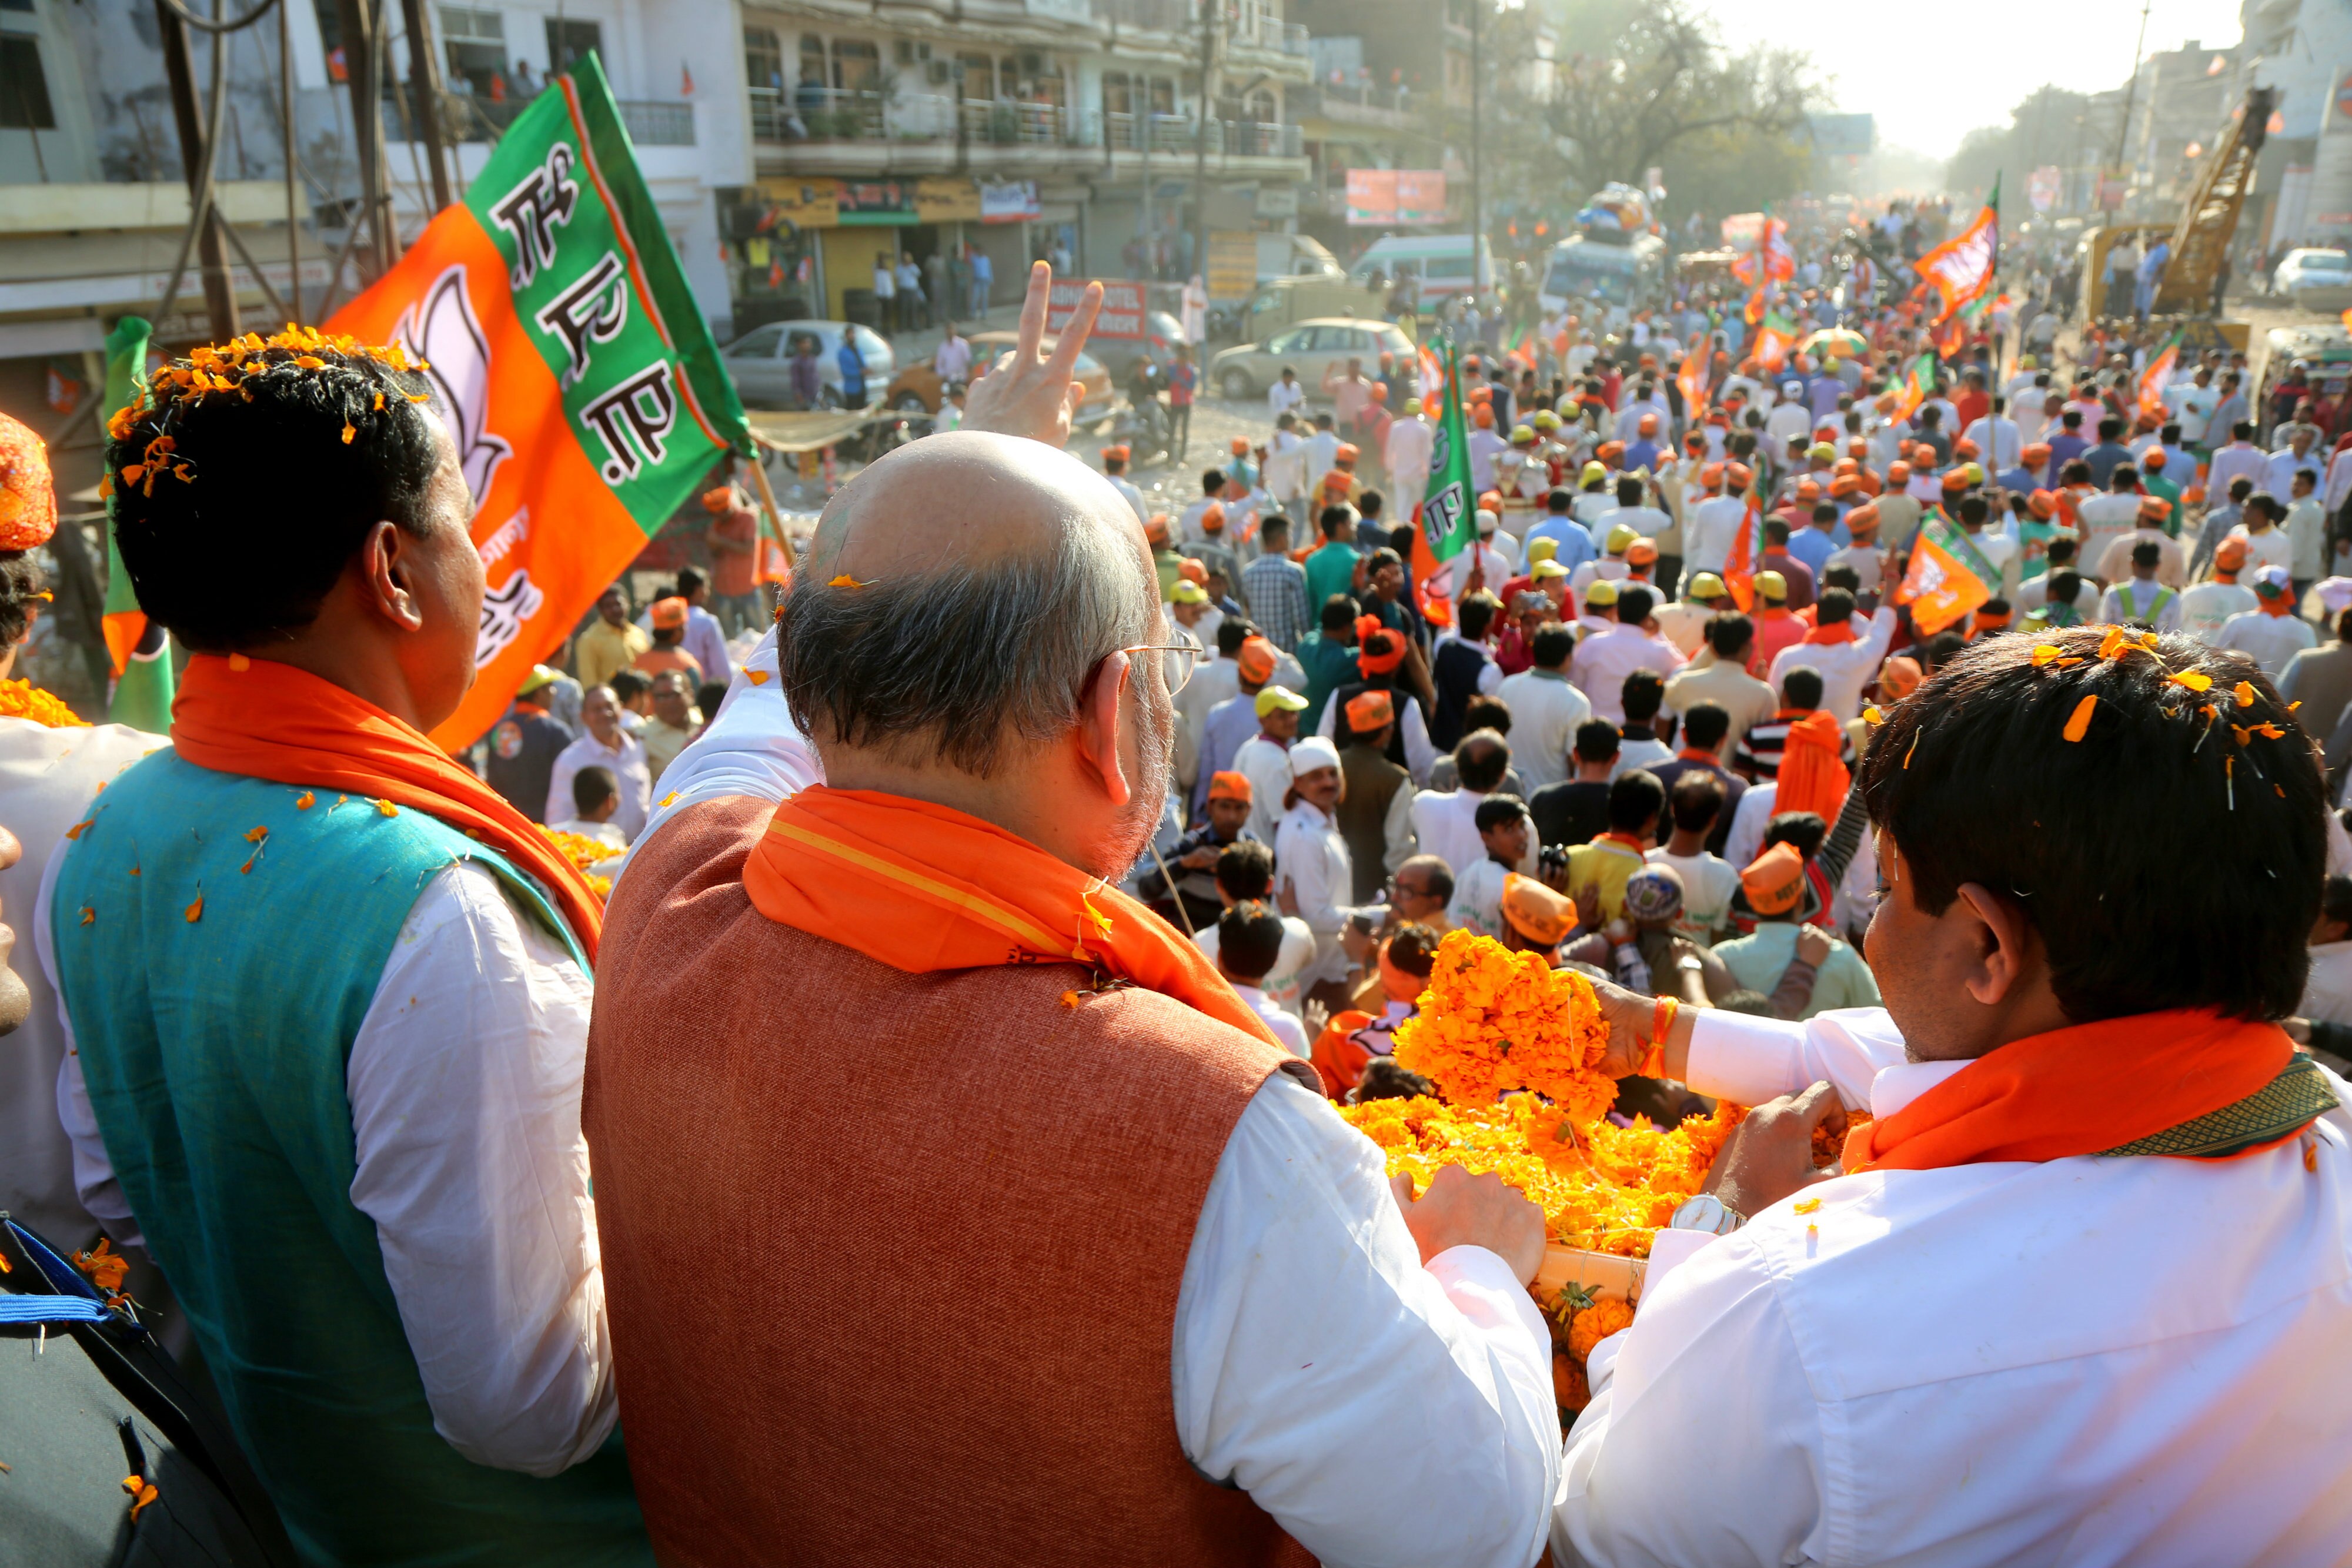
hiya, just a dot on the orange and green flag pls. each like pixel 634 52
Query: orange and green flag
pixel 2154 378
pixel 1774 339
pixel 1446 518
pixel 1918 382
pixel 1947 577
pixel 572 366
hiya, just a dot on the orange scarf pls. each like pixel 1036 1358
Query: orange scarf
pixel 272 721
pixel 2077 1090
pixel 1835 632
pixel 1812 776
pixel 924 888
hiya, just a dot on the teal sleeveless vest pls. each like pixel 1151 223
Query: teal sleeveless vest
pixel 216 980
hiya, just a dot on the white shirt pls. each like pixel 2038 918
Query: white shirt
pixel 2307 533
pixel 1265 763
pixel 1546 710
pixel 1711 531
pixel 2339 482
pixel 1284 396
pixel 1278 1018
pixel 2280 473
pixel 1476 905
pixel 1286 468
pixel 1297 951
pixel 2207 606
pixel 954 361
pixel 2115 563
pixel 1126 487
pixel 1311 857
pixel 1450 1360
pixel 2008 442
pixel 630 772
pixel 1406 452
pixel 2130 1360
pixel 1845 667
pixel 464 1082
pixel 2134 600
pixel 2106 517
pixel 47 780
pixel 1322 452
pixel 2238 459
pixel 1708 883
pixel 1750 822
pixel 2327 994
pixel 2270 640
pixel 2272 547
pixel 2191 406
pixel 1604 660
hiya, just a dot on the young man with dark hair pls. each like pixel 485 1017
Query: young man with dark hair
pixel 1462 667
pixel 1641 747
pixel 341 1012
pixel 1249 944
pixel 1576 809
pixel 1327 654
pixel 1758 754
pixel 1443 821
pixel 1332 568
pixel 1604 659
pixel 1507 839
pixel 1705 726
pixel 2075 1079
pixel 1720 676
pixel 1697 807
pixel 1546 708
pixel 595 796
pixel 1846 656
pixel 1635 801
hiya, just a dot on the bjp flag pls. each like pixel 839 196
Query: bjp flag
pixel 1943 583
pixel 2154 378
pixel 571 366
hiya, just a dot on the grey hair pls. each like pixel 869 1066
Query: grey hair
pixel 964 660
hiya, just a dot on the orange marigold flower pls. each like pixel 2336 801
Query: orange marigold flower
pixel 2245 693
pixel 1596 1322
pixel 2078 723
pixel 2194 681
pixel 22 699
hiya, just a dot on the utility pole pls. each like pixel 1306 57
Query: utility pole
pixel 196 162
pixel 1477 195
pixel 2131 90
pixel 1200 140
pixel 424 94
pixel 362 71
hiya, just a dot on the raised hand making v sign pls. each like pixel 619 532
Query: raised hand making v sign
pixel 1030 392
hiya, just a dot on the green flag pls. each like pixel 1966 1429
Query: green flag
pixel 1447 514
pixel 143 682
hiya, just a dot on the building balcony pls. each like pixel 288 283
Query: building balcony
pixel 472 116
pixel 855 132
pixel 1372 108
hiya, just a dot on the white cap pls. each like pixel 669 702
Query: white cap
pixel 1486 522
pixel 1793 387
pixel 2272 577
pixel 1314 752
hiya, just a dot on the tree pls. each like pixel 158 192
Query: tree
pixel 2051 126
pixel 1657 80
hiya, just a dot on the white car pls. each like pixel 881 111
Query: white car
pixel 2301 274
pixel 761 362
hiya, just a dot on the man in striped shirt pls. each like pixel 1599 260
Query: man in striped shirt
pixel 1758 753
pixel 1274 587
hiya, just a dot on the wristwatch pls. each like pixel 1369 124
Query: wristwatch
pixel 1708 1213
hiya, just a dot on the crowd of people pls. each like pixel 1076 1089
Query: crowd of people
pixel 871 1153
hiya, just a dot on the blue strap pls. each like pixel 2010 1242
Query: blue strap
pixel 50 1310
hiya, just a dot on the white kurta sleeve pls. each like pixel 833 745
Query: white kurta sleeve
pixel 1703 1442
pixel 1420 755
pixel 1748 1059
pixel 750 747
pixel 465 1088
pixel 1383 1412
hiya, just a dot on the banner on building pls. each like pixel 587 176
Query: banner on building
pixel 1008 202
pixel 2042 187
pixel 1122 307
pixel 1388 197
pixel 571 366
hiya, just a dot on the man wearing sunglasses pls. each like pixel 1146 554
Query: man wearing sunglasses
pixel 1005 1152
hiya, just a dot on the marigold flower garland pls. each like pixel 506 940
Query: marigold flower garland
pixel 1493 1020
pixel 583 852
pixel 23 699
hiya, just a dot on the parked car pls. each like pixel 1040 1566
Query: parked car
pixel 761 360
pixel 918 389
pixel 1285 300
pixel 1246 370
pixel 1161 333
pixel 2312 277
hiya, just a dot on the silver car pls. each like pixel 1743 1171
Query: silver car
pixel 2316 279
pixel 1246 370
pixel 761 362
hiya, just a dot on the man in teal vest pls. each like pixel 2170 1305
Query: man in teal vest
pixel 330 992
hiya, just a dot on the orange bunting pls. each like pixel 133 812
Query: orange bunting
pixel 2078 724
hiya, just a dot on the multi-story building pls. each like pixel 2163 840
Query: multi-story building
pixel 1009 128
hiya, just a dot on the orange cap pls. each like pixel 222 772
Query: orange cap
pixel 668 615
pixel 1228 786
pixel 1369 711
pixel 1256 660
pixel 1535 911
pixel 1775 880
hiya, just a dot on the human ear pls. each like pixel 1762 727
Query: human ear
pixel 387 569
pixel 2001 942
pixel 1099 719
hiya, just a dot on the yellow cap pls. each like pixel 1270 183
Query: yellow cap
pixel 1594 471
pixel 1187 591
pixel 1547 568
pixel 1620 538
pixel 1282 699
pixel 1542 550
pixel 1604 592
pixel 1771 585
pixel 1706 585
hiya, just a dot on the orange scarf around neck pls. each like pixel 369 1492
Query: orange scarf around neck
pixel 1813 775
pixel 269 720
pixel 1835 632
pixel 2077 1090
pixel 924 888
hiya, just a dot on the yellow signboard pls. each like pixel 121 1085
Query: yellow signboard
pixel 1232 263
pixel 817 201
pixel 811 203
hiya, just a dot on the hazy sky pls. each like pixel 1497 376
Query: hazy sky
pixel 1967 63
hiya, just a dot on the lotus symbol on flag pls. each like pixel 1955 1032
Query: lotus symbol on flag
pixel 442 331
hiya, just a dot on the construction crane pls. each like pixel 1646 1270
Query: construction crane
pixel 2201 244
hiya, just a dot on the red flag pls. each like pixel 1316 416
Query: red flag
pixel 1739 566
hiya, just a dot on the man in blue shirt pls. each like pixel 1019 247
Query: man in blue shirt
pixel 1574 543
pixel 1813 545
pixel 852 373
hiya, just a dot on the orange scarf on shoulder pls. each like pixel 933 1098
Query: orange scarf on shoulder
pixel 269 720
pixel 2078 1090
pixel 1835 632
pixel 924 888
pixel 1813 775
